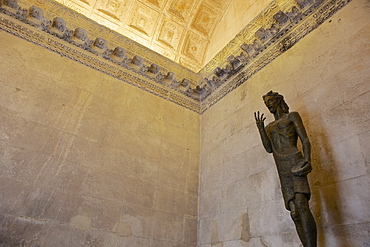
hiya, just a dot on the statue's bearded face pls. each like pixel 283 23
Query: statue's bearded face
pixel 272 103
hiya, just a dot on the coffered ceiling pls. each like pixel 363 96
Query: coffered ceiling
pixel 178 29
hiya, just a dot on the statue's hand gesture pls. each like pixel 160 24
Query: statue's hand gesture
pixel 260 120
pixel 263 132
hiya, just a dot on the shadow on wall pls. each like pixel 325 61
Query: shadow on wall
pixel 326 207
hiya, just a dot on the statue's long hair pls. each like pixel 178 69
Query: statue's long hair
pixel 284 106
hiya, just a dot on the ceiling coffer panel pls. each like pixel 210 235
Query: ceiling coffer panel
pixel 161 25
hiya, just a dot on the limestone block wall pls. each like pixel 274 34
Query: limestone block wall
pixel 326 78
pixel 87 160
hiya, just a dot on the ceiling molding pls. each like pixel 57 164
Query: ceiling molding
pixel 268 36
pixel 143 20
pixel 59 29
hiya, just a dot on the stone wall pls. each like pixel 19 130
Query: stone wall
pixel 326 78
pixel 87 160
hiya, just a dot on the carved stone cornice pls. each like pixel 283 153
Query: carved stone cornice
pixel 114 54
pixel 247 54
pixel 59 29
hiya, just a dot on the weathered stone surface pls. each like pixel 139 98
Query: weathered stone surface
pixel 90 161
pixel 102 212
pixel 86 159
pixel 192 204
pixel 190 230
pixel 17 49
pixel 365 147
pixel 324 77
pixel 204 231
pixel 123 229
pixel 17 231
pixel 172 177
pixel 47 63
pixel 212 156
pixel 214 233
pixel 170 201
pixel 210 203
pixel 168 226
pixel 192 182
pixel 245 233
pixel 81 222
pixel 213 180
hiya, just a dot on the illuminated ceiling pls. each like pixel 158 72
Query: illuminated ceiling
pixel 181 30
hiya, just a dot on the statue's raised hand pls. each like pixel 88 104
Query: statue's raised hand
pixel 259 119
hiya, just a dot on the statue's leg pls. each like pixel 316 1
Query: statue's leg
pixel 297 222
pixel 307 220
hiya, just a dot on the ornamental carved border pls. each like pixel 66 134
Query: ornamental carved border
pixel 233 67
pixel 43 22
pixel 133 64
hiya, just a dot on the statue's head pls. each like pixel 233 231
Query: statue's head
pixel 273 100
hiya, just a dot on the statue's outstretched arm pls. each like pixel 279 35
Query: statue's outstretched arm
pixel 261 128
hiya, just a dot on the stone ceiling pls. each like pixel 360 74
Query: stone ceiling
pixel 178 29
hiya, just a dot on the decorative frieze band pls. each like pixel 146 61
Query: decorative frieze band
pixel 234 65
pixel 285 29
pixel 53 34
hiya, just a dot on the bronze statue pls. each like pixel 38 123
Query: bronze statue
pixel 280 138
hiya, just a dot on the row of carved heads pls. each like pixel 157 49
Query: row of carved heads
pixel 79 37
pixel 263 37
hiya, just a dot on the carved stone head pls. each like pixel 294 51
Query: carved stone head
pixel 281 17
pixel 257 44
pixel 119 52
pixel 262 34
pixel 209 82
pixel 185 83
pixel 294 12
pixel 59 24
pixel 138 61
pixel 303 3
pixel 154 69
pixel 274 29
pixel 197 91
pixel 243 57
pixel 36 12
pixel 100 43
pixel 170 76
pixel 215 80
pixel 219 72
pixel 249 49
pixel 234 61
pixel 80 34
pixel 11 3
pixel 228 68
